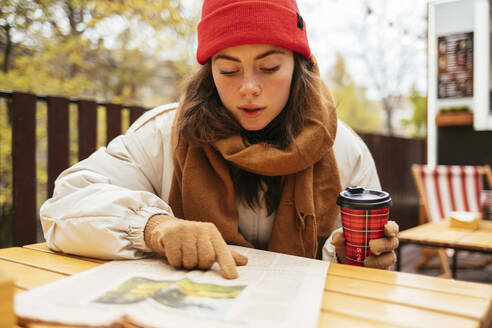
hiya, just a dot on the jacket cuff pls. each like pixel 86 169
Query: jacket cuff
pixel 136 230
pixel 329 253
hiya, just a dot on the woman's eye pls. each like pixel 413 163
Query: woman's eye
pixel 270 69
pixel 228 72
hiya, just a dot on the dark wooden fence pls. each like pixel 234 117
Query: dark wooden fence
pixel 393 156
pixel 24 148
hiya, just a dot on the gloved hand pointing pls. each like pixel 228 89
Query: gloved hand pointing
pixel 191 244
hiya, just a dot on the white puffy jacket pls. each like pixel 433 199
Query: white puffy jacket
pixel 100 205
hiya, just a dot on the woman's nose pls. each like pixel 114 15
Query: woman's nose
pixel 250 86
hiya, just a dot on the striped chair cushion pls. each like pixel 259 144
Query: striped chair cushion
pixel 451 188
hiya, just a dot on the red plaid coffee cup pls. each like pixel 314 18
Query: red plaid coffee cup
pixel 364 214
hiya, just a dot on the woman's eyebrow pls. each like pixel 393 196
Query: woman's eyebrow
pixel 270 52
pixel 227 57
pixel 260 56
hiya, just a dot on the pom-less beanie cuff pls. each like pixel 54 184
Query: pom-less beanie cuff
pixel 251 22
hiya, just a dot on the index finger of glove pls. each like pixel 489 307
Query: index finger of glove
pixel 224 256
pixel 383 245
pixel 206 252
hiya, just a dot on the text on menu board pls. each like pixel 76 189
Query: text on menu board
pixel 455 62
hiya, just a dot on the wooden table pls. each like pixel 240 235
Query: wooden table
pixel 353 296
pixel 439 234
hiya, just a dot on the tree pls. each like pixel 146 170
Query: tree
pixel 418 119
pixel 353 106
pixel 108 50
pixel 14 16
pixel 387 47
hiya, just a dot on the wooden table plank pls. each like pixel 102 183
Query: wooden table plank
pixel 43 248
pixel 330 319
pixel 440 234
pixel 436 227
pixel 424 230
pixel 418 229
pixel 52 262
pixel 45 325
pixel 418 233
pixel 486 225
pixel 394 315
pixel 39 247
pixel 413 233
pixel 27 277
pixel 478 238
pixel 448 235
pixel 354 296
pixel 451 304
pixel 39 325
pixel 7 291
pixel 413 280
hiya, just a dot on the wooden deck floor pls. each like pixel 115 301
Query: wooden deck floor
pixel 410 255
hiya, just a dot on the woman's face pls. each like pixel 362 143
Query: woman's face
pixel 253 82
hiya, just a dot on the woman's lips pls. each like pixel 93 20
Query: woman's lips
pixel 251 110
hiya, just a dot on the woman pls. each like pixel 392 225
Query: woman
pixel 252 156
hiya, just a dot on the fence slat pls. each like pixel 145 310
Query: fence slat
pixel 58 139
pixel 24 167
pixel 87 128
pixel 135 113
pixel 113 121
pixel 394 157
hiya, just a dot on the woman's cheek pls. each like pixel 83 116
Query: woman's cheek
pixel 226 94
pixel 281 86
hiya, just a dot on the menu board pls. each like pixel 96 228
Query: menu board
pixel 455 66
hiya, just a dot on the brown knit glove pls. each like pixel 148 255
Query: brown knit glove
pixel 191 244
pixel 382 249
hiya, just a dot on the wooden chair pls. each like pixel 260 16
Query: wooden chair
pixel 446 188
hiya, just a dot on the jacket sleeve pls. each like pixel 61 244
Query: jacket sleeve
pixel 355 163
pixel 356 168
pixel 100 205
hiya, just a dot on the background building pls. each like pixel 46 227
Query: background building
pixel 459 115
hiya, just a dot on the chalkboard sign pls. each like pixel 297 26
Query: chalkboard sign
pixel 455 66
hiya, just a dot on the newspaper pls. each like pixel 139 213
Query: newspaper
pixel 273 290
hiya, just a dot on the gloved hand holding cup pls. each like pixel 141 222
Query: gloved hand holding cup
pixel 369 239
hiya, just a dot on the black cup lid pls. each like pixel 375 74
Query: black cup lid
pixel 360 198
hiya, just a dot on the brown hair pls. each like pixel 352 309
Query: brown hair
pixel 203 119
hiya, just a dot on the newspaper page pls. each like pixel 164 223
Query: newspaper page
pixel 273 290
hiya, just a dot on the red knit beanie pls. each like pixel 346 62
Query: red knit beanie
pixel 228 23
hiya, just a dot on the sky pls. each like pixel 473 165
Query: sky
pixel 392 35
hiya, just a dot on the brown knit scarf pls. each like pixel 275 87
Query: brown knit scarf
pixel 202 189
